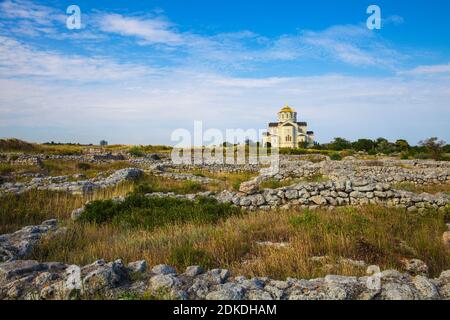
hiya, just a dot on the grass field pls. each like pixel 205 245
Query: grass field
pixel 374 234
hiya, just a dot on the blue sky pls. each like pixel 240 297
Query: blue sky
pixel 137 70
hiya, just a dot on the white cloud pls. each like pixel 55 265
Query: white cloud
pixel 349 44
pixel 20 60
pixel 101 97
pixel 27 10
pixel 152 31
pixel 429 70
pixel 147 111
pixel 352 44
pixel 28 18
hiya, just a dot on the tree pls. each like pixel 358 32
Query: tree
pixel 363 145
pixel 384 146
pixel 339 144
pixel 103 143
pixel 434 147
pixel 402 144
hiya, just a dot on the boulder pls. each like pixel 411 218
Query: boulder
pixel 163 269
pixel 138 266
pixel 415 266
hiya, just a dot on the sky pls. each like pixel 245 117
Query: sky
pixel 138 70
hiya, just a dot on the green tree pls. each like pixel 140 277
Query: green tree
pixel 402 144
pixel 434 147
pixel 339 144
pixel 363 145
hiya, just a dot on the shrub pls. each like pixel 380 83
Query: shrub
pixel 136 152
pixel 404 156
pixel 307 218
pixel 435 147
pixel 5 168
pixel 137 210
pixel 83 166
pixel 335 156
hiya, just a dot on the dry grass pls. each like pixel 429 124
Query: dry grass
pixel 61 167
pixel 227 180
pixel 8 145
pixel 35 206
pixel 420 188
pixel 377 235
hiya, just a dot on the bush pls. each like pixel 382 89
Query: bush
pixel 153 184
pixel 136 152
pixel 404 156
pixel 5 168
pixel 335 156
pixel 307 218
pixel 83 166
pixel 137 210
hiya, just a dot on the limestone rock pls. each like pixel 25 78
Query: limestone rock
pixel 163 269
pixel 415 266
pixel 138 266
pixel 193 271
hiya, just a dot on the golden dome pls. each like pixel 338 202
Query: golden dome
pixel 287 109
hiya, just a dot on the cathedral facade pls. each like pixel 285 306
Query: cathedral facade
pixel 287 132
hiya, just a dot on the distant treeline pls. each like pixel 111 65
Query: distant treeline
pixel 431 148
pixel 52 143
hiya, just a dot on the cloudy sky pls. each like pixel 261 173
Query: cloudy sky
pixel 137 70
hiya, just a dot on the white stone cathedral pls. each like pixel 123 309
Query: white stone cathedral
pixel 287 132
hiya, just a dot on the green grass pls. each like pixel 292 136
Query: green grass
pixel 139 211
pixel 6 168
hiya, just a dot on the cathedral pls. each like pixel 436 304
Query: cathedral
pixel 287 132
